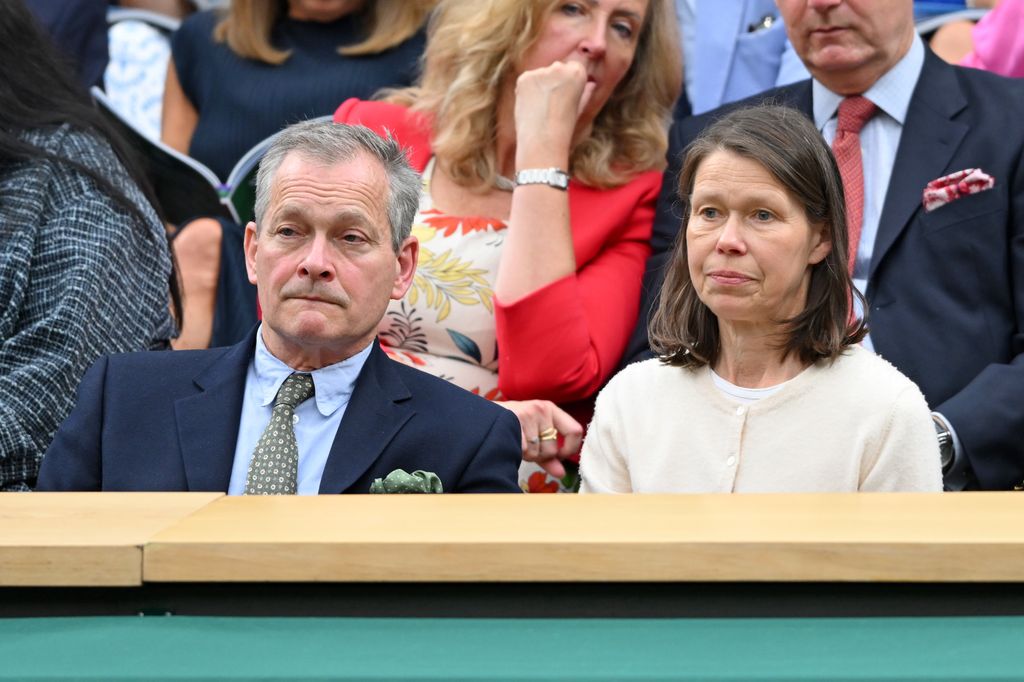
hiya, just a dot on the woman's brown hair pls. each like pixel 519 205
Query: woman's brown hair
pixel 247 25
pixel 684 331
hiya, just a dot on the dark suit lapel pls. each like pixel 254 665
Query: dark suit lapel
pixel 375 413
pixel 799 96
pixel 208 421
pixel 930 138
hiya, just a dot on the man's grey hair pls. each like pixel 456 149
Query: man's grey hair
pixel 330 143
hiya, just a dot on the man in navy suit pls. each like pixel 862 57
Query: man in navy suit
pixel 945 287
pixel 329 248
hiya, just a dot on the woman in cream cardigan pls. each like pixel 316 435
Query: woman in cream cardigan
pixel 760 384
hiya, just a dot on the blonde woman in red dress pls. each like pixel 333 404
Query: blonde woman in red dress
pixel 540 130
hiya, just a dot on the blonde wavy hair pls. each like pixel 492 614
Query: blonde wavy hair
pixel 247 24
pixel 472 48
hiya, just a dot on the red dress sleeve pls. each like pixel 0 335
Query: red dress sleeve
pixel 564 340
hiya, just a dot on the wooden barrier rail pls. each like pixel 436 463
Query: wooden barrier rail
pixel 84 539
pixel 128 539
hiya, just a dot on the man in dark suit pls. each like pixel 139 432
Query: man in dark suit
pixel 945 287
pixel 308 402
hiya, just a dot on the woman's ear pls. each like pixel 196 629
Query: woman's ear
pixel 821 244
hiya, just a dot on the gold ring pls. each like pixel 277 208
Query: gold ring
pixel 550 433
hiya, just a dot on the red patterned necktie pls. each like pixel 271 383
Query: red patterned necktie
pixel 854 112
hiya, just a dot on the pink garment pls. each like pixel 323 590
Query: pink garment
pixel 999 40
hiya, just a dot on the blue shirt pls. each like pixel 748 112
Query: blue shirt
pixel 316 420
pixel 879 140
pixel 733 49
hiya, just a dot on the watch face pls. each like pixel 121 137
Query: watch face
pixel 945 443
pixel 945 455
pixel 945 449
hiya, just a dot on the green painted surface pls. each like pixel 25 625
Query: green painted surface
pixel 192 648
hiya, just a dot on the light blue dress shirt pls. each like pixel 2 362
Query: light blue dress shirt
pixel 316 420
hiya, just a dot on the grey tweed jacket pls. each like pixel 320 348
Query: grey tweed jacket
pixel 79 277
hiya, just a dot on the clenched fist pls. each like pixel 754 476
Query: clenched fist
pixel 549 102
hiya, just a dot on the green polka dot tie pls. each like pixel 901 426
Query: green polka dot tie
pixel 274 469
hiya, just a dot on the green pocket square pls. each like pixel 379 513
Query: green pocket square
pixel 400 481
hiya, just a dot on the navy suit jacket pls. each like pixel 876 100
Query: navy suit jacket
pixel 168 421
pixel 946 288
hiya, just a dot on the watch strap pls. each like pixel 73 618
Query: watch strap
pixel 553 177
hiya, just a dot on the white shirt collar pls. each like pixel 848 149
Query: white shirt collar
pixel 334 383
pixel 891 93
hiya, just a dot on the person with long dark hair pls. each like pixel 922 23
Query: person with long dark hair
pixel 760 384
pixel 85 267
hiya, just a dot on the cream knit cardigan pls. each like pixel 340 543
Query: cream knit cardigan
pixel 857 424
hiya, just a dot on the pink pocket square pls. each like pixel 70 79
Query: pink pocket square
pixel 955 185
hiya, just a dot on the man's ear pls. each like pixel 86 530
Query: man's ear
pixel 822 244
pixel 405 266
pixel 250 251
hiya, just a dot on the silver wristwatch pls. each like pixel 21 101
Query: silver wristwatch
pixel 945 443
pixel 554 177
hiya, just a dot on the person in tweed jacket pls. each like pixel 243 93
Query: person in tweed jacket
pixel 84 263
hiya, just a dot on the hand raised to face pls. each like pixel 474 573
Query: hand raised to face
pixel 581 55
pixel 549 101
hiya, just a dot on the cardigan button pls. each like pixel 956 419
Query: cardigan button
pixel 740 410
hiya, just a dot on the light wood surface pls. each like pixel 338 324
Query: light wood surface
pixel 856 537
pixel 65 539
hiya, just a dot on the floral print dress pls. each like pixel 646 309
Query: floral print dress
pixel 445 323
